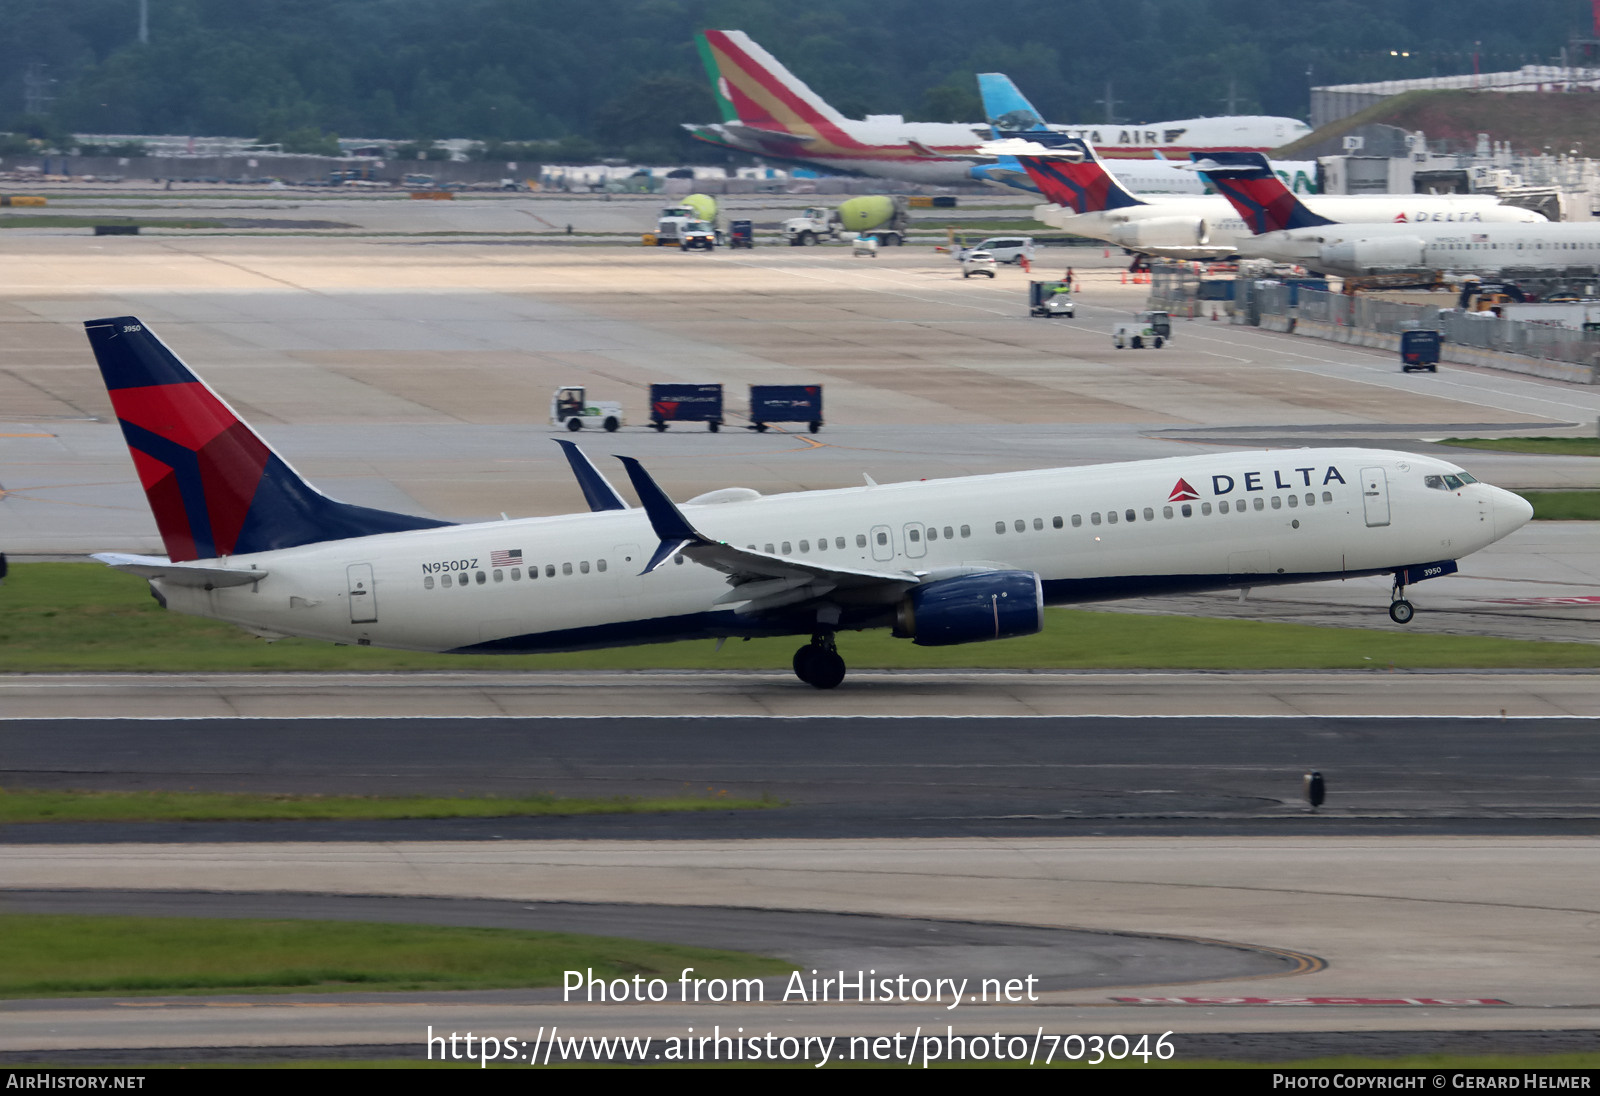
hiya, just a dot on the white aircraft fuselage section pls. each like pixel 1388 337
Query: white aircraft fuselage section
pixel 1170 226
pixel 1217 521
pixel 1353 249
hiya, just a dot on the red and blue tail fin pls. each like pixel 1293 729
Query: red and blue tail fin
pixel 1071 174
pixel 1247 181
pixel 215 487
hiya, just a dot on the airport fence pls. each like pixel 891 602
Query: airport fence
pixel 1473 331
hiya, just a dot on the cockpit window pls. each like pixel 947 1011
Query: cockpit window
pixel 1435 482
pixel 1467 478
pixel 1452 482
pixel 1447 482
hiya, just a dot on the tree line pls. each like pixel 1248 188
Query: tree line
pixel 618 78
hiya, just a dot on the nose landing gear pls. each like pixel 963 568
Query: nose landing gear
pixel 818 663
pixel 1400 610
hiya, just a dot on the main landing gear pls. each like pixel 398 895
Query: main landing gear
pixel 1400 610
pixel 818 663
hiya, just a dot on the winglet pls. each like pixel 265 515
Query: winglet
pixel 668 522
pixel 597 490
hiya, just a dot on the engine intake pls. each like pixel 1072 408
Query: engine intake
pixel 1162 232
pixel 993 605
pixel 1372 254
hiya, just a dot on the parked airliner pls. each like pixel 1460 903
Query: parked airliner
pixel 1010 114
pixel 1334 240
pixel 1088 200
pixel 767 111
pixel 940 562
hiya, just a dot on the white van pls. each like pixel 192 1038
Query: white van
pixel 1005 249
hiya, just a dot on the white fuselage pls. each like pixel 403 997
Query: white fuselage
pixel 1488 248
pixel 1207 522
pixel 1194 227
pixel 888 147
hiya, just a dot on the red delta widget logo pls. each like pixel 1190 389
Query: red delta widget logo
pixel 1282 480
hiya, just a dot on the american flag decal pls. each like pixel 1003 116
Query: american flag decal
pixel 510 557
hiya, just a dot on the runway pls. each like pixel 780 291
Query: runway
pixel 841 777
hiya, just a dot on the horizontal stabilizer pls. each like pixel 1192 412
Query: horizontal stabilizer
pixel 181 574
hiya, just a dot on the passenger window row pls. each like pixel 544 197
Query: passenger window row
pixel 465 579
pixel 1148 513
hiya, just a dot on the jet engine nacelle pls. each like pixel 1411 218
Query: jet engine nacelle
pixel 1373 254
pixel 1162 232
pixel 993 605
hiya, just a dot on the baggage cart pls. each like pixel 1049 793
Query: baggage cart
pixel 786 403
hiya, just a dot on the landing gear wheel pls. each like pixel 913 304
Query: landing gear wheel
pixel 818 664
pixel 761 428
pixel 1400 611
pixel 827 669
pixel 611 424
pixel 658 427
pixel 574 425
pixel 815 427
pixel 713 426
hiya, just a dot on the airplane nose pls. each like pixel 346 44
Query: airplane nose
pixel 1511 512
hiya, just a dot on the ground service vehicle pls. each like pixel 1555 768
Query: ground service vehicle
pixel 869 215
pixel 941 562
pixel 741 234
pixel 671 403
pixel 1151 329
pixel 1420 350
pixel 571 408
pixel 696 235
pixel 786 403
pixel 672 220
pixel 1050 300
pixel 977 262
pixel 864 245
pixel 1006 249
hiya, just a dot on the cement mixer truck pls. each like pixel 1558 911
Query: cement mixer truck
pixel 672 225
pixel 868 215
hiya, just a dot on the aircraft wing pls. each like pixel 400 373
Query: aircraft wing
pixel 758 133
pixel 949 154
pixel 202 575
pixel 758 581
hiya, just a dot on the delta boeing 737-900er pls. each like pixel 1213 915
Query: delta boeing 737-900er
pixel 767 111
pixel 940 562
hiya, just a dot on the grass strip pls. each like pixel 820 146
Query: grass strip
pixel 66 955
pixel 30 805
pixel 1564 505
pixel 1562 447
pixel 84 617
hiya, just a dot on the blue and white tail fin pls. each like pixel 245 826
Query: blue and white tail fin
pixel 215 487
